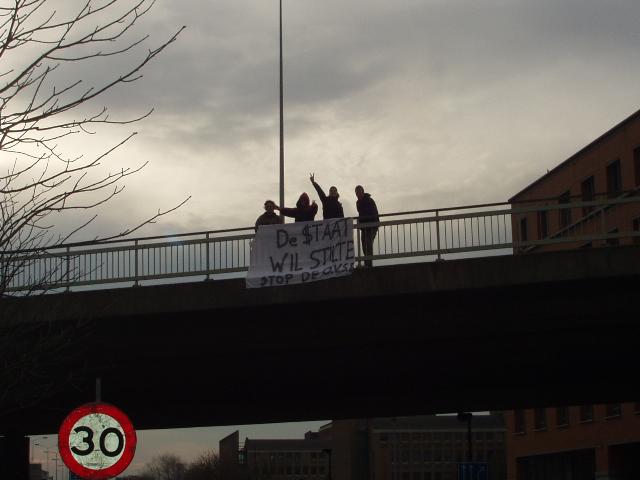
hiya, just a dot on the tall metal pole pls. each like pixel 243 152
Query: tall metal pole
pixel 281 120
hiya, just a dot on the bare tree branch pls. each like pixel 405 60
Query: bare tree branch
pixel 39 181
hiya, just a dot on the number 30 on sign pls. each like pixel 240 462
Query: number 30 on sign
pixel 97 441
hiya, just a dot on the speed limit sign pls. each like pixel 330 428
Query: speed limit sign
pixel 97 441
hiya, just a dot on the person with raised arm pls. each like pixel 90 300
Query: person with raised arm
pixel 331 207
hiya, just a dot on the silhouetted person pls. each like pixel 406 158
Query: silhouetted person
pixel 304 211
pixel 367 213
pixel 331 207
pixel 269 217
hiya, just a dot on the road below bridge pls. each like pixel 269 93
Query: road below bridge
pixel 475 334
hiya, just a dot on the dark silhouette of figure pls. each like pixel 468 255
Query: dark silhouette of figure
pixel 269 217
pixel 304 211
pixel 367 213
pixel 331 207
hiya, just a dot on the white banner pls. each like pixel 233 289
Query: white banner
pixel 301 252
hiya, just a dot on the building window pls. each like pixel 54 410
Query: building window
pixel 562 416
pixel 586 413
pixel 543 230
pixel 565 213
pixel 613 242
pixel 519 421
pixel 614 410
pixel 636 163
pixel 416 456
pixel 614 179
pixel 523 229
pixel 588 190
pixel 540 419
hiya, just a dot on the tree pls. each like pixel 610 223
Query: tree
pixel 205 467
pixel 48 51
pixel 45 101
pixel 165 467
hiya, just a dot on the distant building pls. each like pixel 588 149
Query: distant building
pixel 588 442
pixel 403 448
pixel 609 167
pixel 416 448
pixel 300 459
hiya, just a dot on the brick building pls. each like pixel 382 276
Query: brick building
pixel 589 441
pixel 600 442
pixel 607 168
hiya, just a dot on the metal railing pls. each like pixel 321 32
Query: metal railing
pixel 424 235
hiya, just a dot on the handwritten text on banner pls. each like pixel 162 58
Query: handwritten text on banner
pixel 301 252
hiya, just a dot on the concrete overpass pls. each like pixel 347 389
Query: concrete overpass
pixel 476 334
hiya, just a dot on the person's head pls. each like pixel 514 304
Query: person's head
pixel 303 201
pixel 269 205
pixel 333 192
pixel 359 191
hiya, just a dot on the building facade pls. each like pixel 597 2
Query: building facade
pixel 608 168
pixel 403 448
pixel 431 447
pixel 296 459
pixel 587 442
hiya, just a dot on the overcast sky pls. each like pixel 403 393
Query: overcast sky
pixel 427 103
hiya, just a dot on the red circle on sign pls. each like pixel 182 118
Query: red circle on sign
pixel 129 444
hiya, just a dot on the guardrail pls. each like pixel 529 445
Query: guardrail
pixel 423 235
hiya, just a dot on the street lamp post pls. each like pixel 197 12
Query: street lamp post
pixel 466 417
pixel 281 119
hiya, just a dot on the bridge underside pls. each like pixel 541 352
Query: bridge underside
pixel 477 334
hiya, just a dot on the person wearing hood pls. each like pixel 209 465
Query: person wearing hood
pixel 304 211
pixel 367 213
pixel 331 207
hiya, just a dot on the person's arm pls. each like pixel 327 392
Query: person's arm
pixel 288 212
pixel 318 188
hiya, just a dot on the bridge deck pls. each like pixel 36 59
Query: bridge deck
pixel 476 334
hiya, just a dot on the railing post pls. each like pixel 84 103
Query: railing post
pixel 357 230
pixel 438 233
pixel 68 275
pixel 208 261
pixel 137 283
